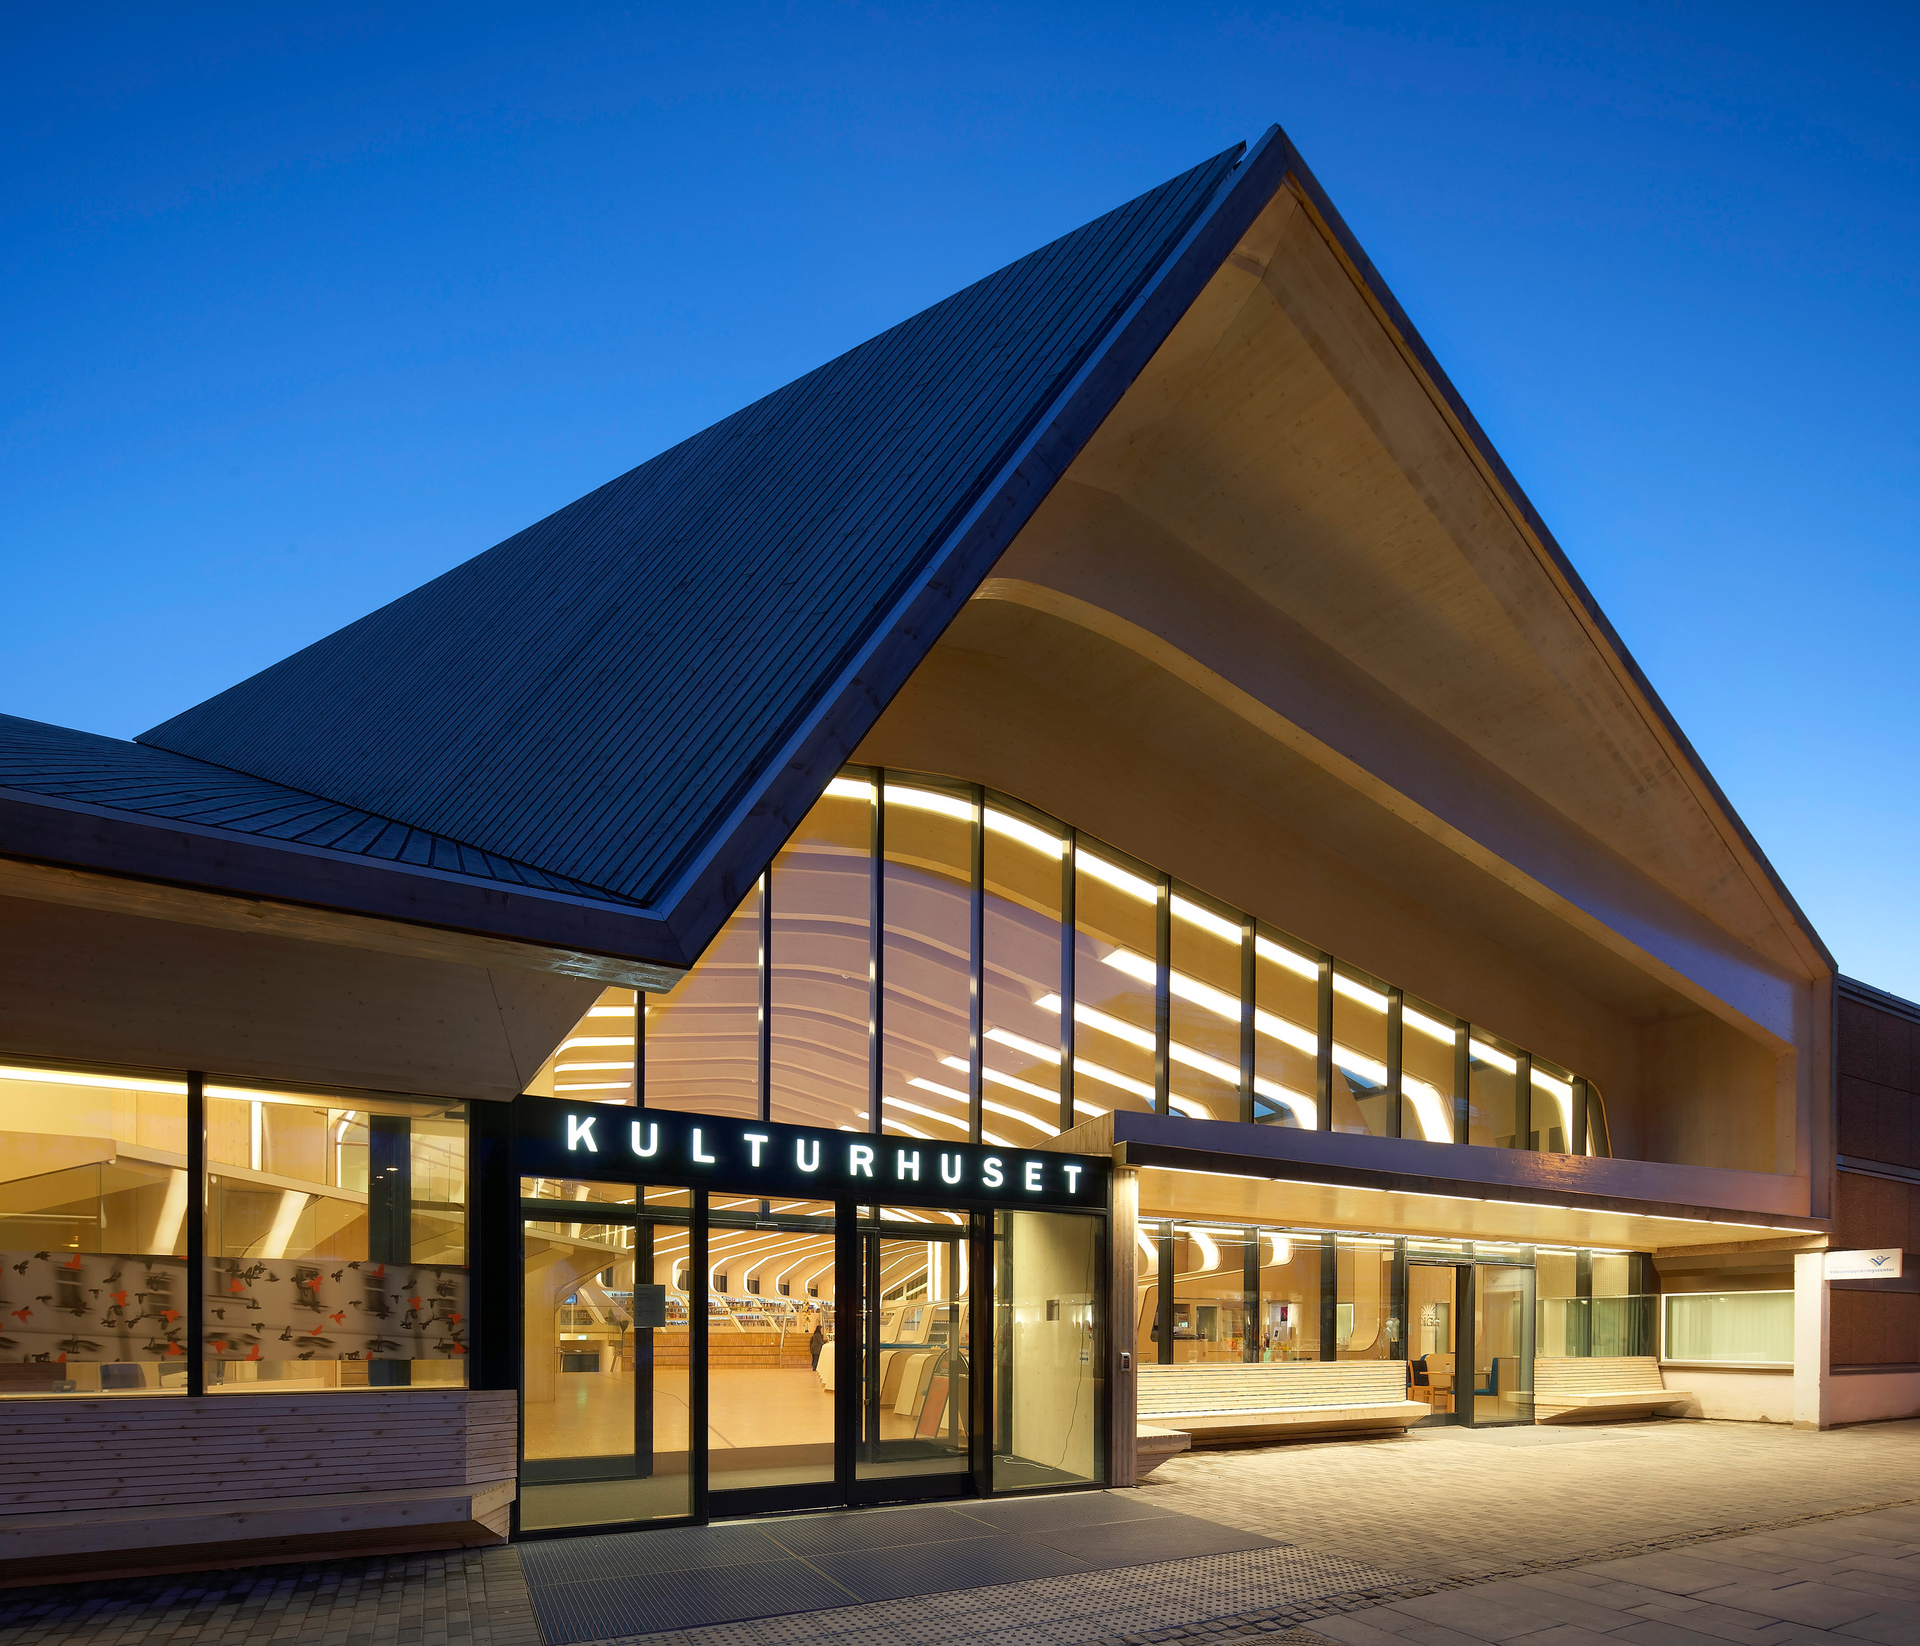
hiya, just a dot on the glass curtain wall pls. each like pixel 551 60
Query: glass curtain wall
pixel 94 1201
pixel 992 918
pixel 821 898
pixel 336 1240
pixel 925 965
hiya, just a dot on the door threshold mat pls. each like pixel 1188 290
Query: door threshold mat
pixel 603 1586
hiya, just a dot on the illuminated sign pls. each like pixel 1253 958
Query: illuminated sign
pixel 592 1140
pixel 1882 1263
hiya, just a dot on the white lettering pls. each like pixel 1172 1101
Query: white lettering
pixel 800 1159
pixel 906 1165
pixel 581 1131
pixel 756 1141
pixel 957 1162
pixel 1033 1177
pixel 859 1160
pixel 700 1157
pixel 1073 1178
pixel 990 1172
pixel 653 1140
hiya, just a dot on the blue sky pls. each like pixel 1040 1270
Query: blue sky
pixel 301 312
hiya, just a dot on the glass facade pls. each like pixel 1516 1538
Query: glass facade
pixel 915 926
pixel 336 1239
pixel 94 1202
pixel 332 1234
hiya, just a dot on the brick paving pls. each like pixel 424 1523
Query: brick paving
pixel 1658 1534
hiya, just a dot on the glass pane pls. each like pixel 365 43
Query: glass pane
pixel 1290 1271
pixel 1050 1343
pixel 1491 1084
pixel 1146 1303
pixel 1360 1102
pixel 702 1045
pixel 93 1232
pixel 914 1377
pixel 770 1357
pixel 1204 1012
pixel 1426 1073
pixel 336 1231
pixel 822 902
pixel 1503 1345
pixel 597 1060
pixel 1364 1300
pixel 1286 993
pixel 929 913
pixel 1021 925
pixel 1743 1327
pixel 597 1194
pixel 605 1371
pixel 1210 1295
pixel 1113 985
pixel 1430 1345
pixel 1552 1108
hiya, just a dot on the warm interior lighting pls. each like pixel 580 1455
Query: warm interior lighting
pixel 1016 828
pixel 926 800
pixel 1120 879
pixel 63 1077
pixel 1280 954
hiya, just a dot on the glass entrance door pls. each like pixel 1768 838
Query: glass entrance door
pixel 1432 1342
pixel 1503 1344
pixel 605 1356
pixel 916 1360
pixel 772 1303
pixel 695 1354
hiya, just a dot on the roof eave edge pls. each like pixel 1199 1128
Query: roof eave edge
pixel 1520 507
pixel 702 897
pixel 105 840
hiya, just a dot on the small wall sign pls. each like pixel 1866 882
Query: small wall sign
pixel 1881 1263
pixel 610 1141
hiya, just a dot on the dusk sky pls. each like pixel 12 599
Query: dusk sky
pixel 301 313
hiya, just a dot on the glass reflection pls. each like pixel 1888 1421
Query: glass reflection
pixel 1113 984
pixel 928 892
pixel 822 893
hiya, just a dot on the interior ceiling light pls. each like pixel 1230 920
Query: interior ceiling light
pixel 927 800
pixel 63 1077
pixel 1120 879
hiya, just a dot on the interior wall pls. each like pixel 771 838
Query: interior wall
pixel 85 984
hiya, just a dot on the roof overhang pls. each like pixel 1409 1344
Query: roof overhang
pixel 68 851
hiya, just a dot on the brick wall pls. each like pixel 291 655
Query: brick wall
pixel 1878 1125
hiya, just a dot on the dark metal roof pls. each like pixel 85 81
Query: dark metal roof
pixel 52 761
pixel 603 693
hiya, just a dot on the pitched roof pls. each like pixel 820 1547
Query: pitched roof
pixel 611 692
pixel 62 764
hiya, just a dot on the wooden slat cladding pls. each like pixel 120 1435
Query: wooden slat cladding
pixel 1593 1374
pixel 80 1455
pixel 1172 1390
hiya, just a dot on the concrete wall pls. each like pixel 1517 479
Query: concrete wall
pixel 1733 1395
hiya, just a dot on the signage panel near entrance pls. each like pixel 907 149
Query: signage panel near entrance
pixel 555 1139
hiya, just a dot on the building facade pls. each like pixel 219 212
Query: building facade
pixel 1085 875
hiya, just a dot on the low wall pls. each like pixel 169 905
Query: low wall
pixel 1872 1394
pixel 132 1483
pixel 1733 1394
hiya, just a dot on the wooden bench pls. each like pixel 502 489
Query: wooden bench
pixel 1571 1387
pixel 1284 1398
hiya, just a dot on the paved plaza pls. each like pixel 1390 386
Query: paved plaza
pixel 1652 1534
